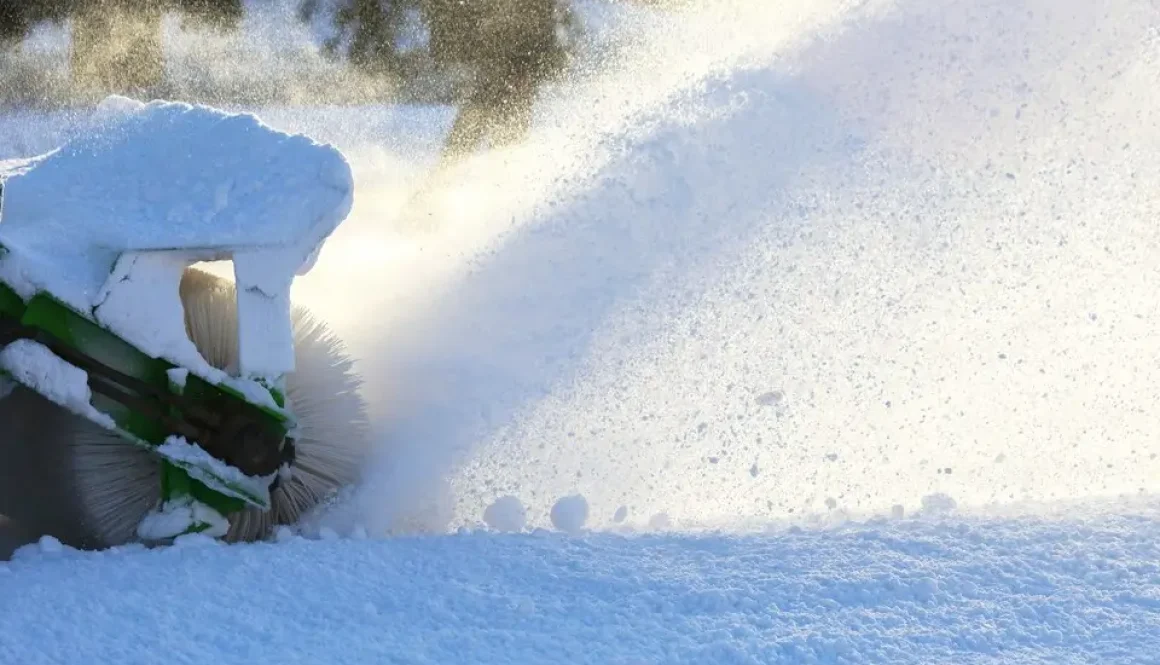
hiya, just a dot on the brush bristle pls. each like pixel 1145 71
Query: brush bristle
pixel 116 483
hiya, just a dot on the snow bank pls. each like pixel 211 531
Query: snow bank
pixel 107 221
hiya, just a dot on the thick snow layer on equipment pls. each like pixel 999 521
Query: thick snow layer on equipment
pixel 178 449
pixel 36 366
pixel 152 187
pixel 173 518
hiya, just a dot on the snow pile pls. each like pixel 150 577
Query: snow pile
pixel 107 221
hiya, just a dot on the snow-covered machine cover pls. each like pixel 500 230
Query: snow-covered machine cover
pixel 94 239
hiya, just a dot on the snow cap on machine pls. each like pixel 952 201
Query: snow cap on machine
pixel 107 222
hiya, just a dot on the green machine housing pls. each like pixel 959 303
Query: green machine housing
pixel 135 394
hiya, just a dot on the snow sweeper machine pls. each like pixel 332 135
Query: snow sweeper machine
pixel 99 325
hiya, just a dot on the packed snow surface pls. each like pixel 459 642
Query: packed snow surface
pixel 909 592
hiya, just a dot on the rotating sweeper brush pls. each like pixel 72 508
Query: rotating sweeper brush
pixel 146 398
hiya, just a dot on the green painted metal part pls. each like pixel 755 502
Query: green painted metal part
pixel 68 327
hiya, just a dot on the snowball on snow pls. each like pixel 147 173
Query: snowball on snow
pixel 570 513
pixel 506 513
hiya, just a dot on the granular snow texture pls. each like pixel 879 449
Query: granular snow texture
pixel 1032 590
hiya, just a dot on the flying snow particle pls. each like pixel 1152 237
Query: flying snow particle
pixel 660 521
pixel 506 513
pixel 570 513
pixel 770 398
pixel 938 503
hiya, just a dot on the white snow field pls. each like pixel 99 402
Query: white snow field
pixel 832 324
pixel 961 591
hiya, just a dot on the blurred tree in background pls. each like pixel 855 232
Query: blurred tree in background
pixel 18 17
pixel 489 56
pixel 506 49
pixel 372 35
pixel 115 45
pixel 512 47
